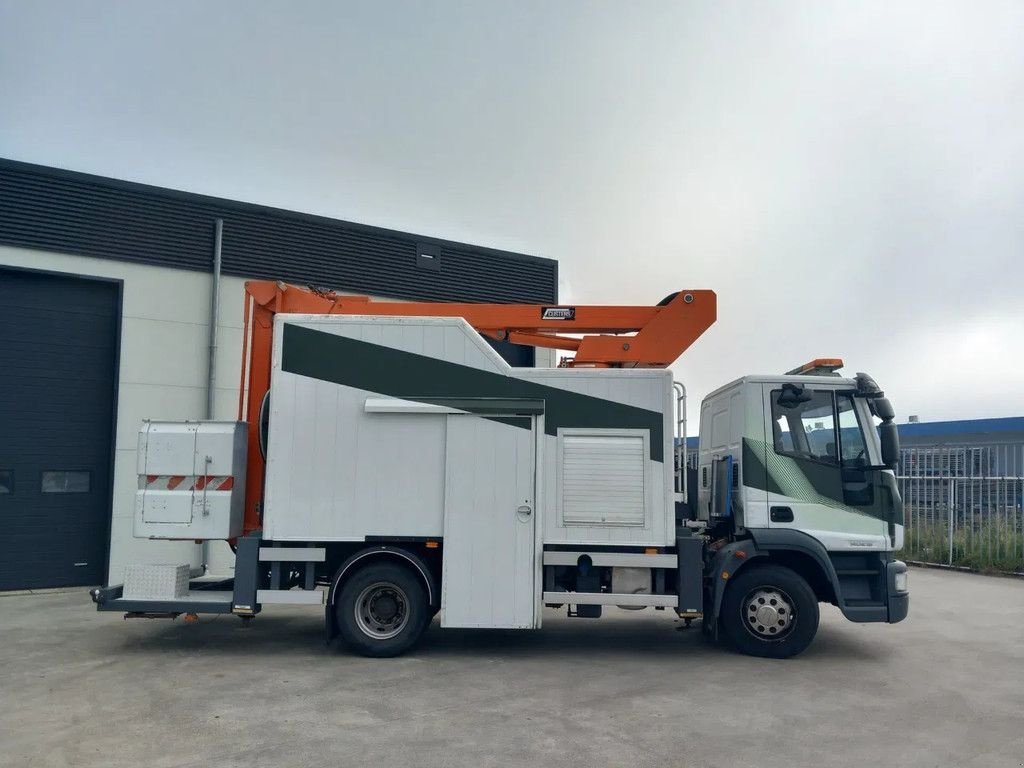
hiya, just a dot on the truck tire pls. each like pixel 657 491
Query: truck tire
pixel 769 611
pixel 382 610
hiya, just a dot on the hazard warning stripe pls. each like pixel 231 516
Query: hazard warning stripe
pixel 190 482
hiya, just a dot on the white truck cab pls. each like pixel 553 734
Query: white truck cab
pixel 795 466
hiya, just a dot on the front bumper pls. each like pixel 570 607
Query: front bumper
pixel 898 599
pixel 889 602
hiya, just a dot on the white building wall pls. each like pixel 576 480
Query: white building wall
pixel 165 337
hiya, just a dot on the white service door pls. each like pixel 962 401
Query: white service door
pixel 489 543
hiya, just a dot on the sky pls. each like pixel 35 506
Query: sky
pixel 848 177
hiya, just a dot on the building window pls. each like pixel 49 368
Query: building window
pixel 6 481
pixel 66 481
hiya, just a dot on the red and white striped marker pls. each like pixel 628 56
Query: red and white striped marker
pixel 189 482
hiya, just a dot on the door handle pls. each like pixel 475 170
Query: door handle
pixel 525 509
pixel 781 515
pixel 206 482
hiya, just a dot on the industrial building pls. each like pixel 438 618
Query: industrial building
pixel 106 306
pixel 964 432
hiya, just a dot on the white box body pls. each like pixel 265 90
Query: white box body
pixel 191 480
pixel 156 582
pixel 356 449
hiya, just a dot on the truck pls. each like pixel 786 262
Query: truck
pixel 388 465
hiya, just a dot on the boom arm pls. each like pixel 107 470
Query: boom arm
pixel 657 336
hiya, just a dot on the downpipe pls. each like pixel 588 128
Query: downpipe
pixel 211 380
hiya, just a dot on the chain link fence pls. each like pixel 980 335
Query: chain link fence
pixel 964 506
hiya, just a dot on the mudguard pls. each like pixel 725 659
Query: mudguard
pixel 381 551
pixel 724 565
pixel 732 557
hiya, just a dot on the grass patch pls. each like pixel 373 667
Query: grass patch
pixel 986 546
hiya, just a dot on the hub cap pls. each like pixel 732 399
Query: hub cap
pixel 768 613
pixel 382 610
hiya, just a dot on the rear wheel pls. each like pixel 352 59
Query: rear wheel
pixel 382 610
pixel 769 611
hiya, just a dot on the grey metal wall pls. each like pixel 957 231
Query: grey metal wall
pixel 69 212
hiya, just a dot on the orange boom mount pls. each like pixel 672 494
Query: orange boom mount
pixel 600 337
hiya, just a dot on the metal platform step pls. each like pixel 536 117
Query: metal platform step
pixel 193 601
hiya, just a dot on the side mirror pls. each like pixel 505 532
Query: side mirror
pixel 882 408
pixel 890 439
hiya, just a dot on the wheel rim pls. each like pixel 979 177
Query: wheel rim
pixel 382 610
pixel 768 613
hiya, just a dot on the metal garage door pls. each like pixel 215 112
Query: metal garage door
pixel 58 367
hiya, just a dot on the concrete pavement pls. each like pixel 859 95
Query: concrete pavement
pixel 945 688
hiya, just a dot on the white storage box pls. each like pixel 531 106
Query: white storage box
pixel 156 582
pixel 191 480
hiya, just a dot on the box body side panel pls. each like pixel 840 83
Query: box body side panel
pixel 336 472
pixel 342 468
pixel 650 390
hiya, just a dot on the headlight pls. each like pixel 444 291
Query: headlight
pixel 900 582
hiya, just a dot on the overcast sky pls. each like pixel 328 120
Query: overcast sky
pixel 848 177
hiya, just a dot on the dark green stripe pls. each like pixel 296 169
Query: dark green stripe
pixel 409 376
pixel 782 474
pixel 513 421
pixel 755 475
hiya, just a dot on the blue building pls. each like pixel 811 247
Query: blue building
pixel 963 432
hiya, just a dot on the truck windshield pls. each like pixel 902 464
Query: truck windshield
pixel 810 425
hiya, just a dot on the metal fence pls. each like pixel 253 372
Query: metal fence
pixel 964 506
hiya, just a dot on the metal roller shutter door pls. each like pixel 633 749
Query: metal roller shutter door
pixel 59 342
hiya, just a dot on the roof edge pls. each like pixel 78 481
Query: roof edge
pixel 257 208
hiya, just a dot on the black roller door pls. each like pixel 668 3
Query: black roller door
pixel 58 370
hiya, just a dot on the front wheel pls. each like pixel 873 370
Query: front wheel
pixel 769 611
pixel 382 610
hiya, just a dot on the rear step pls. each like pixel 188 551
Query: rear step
pixel 196 600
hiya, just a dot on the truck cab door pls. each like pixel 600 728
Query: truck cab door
pixel 820 474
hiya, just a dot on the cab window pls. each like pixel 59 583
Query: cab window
pixel 804 424
pixel 851 433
